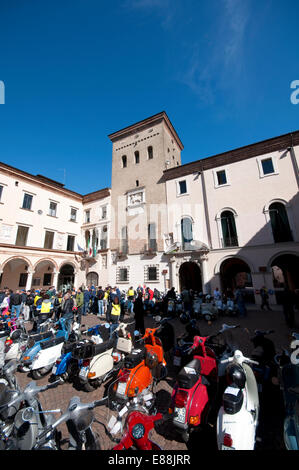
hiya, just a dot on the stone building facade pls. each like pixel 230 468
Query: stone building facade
pixel 222 221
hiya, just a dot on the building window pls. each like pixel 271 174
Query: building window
pixel 27 201
pixel 268 167
pixel 52 209
pixel 70 243
pixel 124 161
pixel 137 158
pixel 137 183
pixel 104 212
pixel 87 217
pixel 280 223
pixel 22 235
pixel 122 275
pixel 186 232
pixel 49 238
pixel 36 282
pixel 229 231
pixel 221 177
pixel 150 152
pixel 152 273
pixel 23 279
pixel 47 279
pixel 124 241
pixel 182 187
pixel 73 215
pixel 1 190
pixel 152 240
pixel 104 238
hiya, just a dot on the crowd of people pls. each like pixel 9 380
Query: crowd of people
pixel 110 303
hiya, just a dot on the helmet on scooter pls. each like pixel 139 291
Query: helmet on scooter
pixel 236 375
pixel 151 359
pixel 184 318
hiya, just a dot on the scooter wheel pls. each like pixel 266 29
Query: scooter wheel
pixel 89 387
pixel 40 373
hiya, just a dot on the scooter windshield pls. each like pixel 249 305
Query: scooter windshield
pixel 119 407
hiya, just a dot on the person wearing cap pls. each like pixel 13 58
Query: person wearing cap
pixel 139 313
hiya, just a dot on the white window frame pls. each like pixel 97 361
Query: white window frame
pixel 178 193
pixel 49 213
pixel 87 212
pixel 216 184
pixel 260 166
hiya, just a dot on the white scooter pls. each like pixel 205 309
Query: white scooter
pixel 50 351
pixel 238 416
pixel 97 362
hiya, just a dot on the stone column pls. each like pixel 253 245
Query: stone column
pixel 173 276
pixel 55 279
pixel 29 280
pixel 204 273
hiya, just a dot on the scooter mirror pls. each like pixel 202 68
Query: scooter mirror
pixel 27 414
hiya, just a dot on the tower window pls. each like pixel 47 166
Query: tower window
pixel 137 183
pixel 150 152
pixel 137 158
pixel 124 161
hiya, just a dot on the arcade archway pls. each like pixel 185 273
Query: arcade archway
pixel 234 272
pixel 190 276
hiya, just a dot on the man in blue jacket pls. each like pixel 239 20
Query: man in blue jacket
pixel 85 308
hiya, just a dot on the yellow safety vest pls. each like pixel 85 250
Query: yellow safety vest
pixel 106 296
pixel 36 299
pixel 131 293
pixel 46 307
pixel 115 309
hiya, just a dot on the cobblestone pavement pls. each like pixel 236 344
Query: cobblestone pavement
pixel 271 420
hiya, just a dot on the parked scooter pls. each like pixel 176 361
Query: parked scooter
pixel 8 386
pixel 288 375
pixel 195 389
pixel 238 416
pixel 208 311
pixel 142 368
pixel 184 342
pixel 129 424
pixel 264 353
pixel 40 358
pixel 78 418
pixel 30 420
pixel 98 362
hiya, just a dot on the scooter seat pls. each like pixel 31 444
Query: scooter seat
pixel 41 336
pixel 136 357
pixel 188 376
pixel 52 342
pixel 102 347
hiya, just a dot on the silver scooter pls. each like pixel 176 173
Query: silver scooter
pixel 79 418
pixel 30 420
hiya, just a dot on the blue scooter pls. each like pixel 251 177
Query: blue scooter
pixel 36 341
pixel 66 367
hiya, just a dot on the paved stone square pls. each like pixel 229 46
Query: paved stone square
pixel 270 429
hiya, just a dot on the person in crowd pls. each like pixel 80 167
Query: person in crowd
pixel 27 311
pixel 86 295
pixel 265 298
pixel 288 301
pixel 15 302
pixel 67 313
pixel 105 300
pixel 139 313
pixel 131 296
pixel 79 303
pixel 100 298
pixel 114 314
pixel 240 301
pixel 217 294
pixel 57 305
pixel 5 303
pixel 187 301
pixel 44 309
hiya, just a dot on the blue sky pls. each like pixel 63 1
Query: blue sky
pixel 78 70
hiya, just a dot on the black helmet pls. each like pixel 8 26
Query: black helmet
pixel 151 359
pixel 184 318
pixel 236 375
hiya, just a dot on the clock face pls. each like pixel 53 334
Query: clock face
pixel 138 431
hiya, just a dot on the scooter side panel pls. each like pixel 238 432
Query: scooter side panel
pixel 240 426
pixel 101 364
pixel 47 357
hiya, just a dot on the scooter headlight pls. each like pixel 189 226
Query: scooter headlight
pixel 138 431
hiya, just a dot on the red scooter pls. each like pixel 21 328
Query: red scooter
pixel 130 425
pixel 195 389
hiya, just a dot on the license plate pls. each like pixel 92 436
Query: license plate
pixel 227 448
pixel 176 361
pixel 180 415
pixel 121 388
pixel 54 369
pixel 83 372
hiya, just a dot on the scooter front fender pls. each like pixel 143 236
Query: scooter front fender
pixel 47 357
